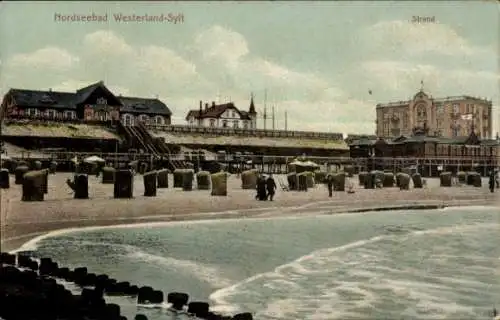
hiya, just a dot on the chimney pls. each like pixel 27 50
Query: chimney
pixel 206 106
pixel 50 89
pixel 213 103
pixel 201 108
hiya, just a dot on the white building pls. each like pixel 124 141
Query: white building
pixel 223 116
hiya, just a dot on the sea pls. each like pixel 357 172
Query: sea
pixel 420 264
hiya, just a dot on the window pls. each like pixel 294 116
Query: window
pixel 421 113
pixel 439 123
pixel 102 101
pixel 32 112
pixel 395 132
pixel 69 114
pixel 51 114
pixel 128 119
pixel 103 116
pixel 235 124
pixel 456 108
pixel 245 124
pixel 440 109
pixel 159 120
pixel 224 124
pixel 212 122
pixel 405 120
pixel 234 114
pixel 144 118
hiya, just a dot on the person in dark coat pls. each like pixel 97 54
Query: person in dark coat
pixel 271 187
pixel 329 182
pixel 261 188
pixel 492 181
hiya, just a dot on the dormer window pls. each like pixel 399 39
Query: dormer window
pixel 46 99
pixel 102 101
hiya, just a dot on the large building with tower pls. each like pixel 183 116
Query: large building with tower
pixel 448 117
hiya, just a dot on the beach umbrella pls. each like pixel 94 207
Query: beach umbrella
pixel 297 163
pixel 94 159
pixel 311 164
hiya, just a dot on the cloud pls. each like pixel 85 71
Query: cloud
pixel 414 38
pixel 163 63
pixel 238 67
pixel 49 57
pixel 106 42
pixel 221 43
pixel 401 77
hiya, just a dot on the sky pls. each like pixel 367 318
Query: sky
pixel 316 60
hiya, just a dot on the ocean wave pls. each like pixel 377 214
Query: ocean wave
pixel 356 279
pixel 207 273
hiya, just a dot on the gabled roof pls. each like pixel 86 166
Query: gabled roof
pixel 37 98
pixel 215 111
pixel 143 105
pixel 69 100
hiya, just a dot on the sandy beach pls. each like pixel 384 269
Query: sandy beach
pixel 22 221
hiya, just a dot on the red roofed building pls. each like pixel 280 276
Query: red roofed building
pixel 224 115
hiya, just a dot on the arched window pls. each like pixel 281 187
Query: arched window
pixel 158 120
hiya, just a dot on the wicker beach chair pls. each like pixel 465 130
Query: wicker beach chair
pixel 283 185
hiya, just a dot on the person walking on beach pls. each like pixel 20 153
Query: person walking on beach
pixel 271 187
pixel 329 183
pixel 261 188
pixel 492 181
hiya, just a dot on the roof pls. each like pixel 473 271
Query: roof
pixel 48 99
pixel 144 105
pixel 434 100
pixel 351 138
pixel 414 138
pixel 363 142
pixel 69 100
pixel 215 111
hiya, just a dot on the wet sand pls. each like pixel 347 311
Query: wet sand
pixel 22 221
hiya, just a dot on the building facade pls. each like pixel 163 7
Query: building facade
pixel 430 154
pixel 223 116
pixel 92 103
pixel 448 117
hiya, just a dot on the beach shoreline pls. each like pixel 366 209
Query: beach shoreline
pixel 23 221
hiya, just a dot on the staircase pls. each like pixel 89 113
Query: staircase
pixel 158 144
pixel 139 137
pixel 136 139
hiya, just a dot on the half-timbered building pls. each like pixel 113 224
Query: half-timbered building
pixel 92 103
